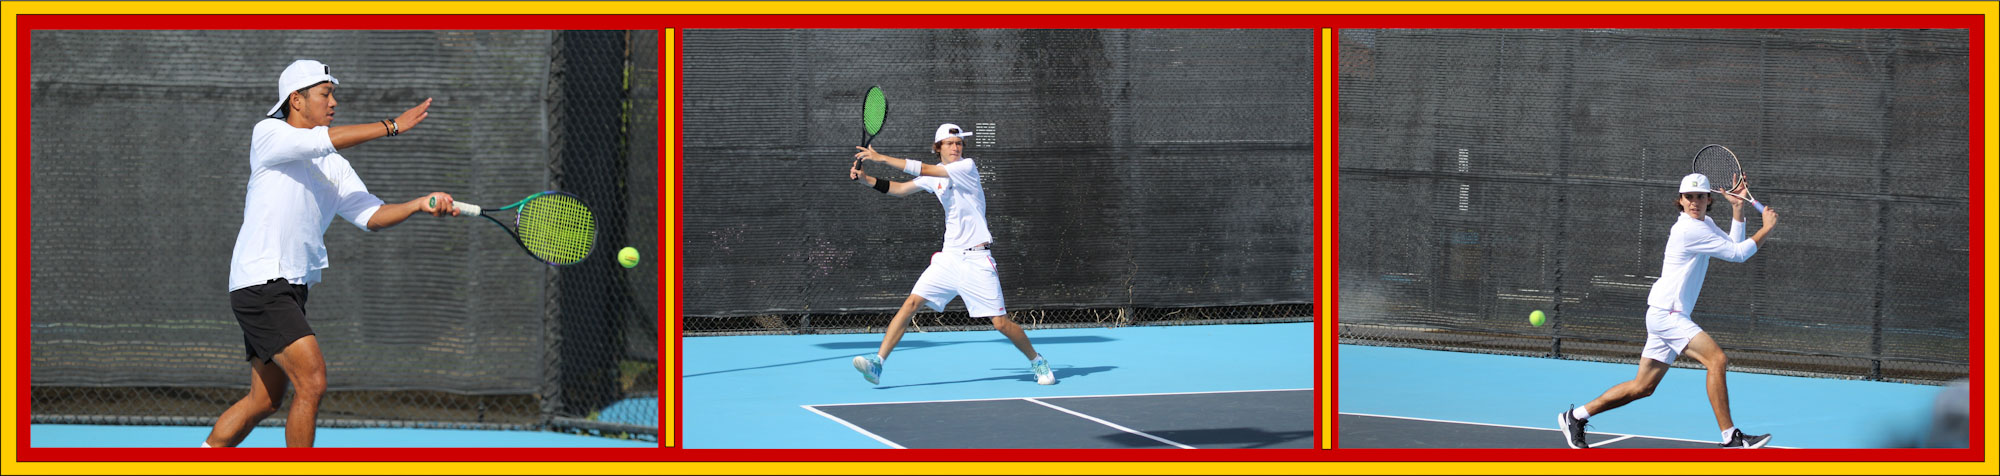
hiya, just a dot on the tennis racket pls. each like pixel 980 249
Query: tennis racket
pixel 554 227
pixel 874 110
pixel 1721 166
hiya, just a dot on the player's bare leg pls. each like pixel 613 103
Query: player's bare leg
pixel 267 388
pixel 1703 348
pixel 306 368
pixel 1040 366
pixel 1013 331
pixel 1572 422
pixel 1641 386
pixel 898 324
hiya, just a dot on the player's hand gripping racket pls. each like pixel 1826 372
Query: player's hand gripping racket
pixel 874 110
pixel 1722 168
pixel 554 227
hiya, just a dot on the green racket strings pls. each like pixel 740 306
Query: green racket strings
pixel 557 228
pixel 873 110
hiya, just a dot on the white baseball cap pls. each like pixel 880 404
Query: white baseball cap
pixel 299 75
pixel 1695 183
pixel 949 130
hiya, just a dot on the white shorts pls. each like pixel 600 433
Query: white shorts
pixel 968 274
pixel 1667 334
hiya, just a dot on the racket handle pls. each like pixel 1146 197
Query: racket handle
pixel 464 209
pixel 1760 206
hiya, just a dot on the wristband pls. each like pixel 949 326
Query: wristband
pixel 882 185
pixel 913 167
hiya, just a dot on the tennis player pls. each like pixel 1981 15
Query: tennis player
pixel 1669 331
pixel 965 268
pixel 297 184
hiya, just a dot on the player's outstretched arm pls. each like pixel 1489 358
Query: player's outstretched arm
pixel 921 169
pixel 392 214
pixel 354 134
pixel 899 189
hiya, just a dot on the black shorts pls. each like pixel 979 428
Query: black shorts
pixel 272 315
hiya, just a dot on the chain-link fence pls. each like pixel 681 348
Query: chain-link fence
pixel 433 323
pixel 1488 173
pixel 1132 177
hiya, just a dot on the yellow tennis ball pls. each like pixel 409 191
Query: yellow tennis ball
pixel 1537 318
pixel 628 257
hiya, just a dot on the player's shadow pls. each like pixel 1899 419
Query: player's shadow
pixel 907 344
pixel 1061 373
pixel 1218 438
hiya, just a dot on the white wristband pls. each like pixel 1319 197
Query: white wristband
pixel 913 167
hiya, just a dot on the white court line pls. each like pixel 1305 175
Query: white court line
pixel 1613 440
pixel 1031 399
pixel 1537 428
pixel 1110 424
pixel 1058 396
pixel 851 426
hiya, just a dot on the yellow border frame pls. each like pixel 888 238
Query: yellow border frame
pixel 8 243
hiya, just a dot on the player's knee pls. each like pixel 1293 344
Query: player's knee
pixel 1720 362
pixel 309 387
pixel 261 404
pixel 1642 389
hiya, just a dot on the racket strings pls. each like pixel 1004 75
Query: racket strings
pixel 557 228
pixel 874 108
pixel 1719 165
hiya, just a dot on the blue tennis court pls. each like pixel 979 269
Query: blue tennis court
pixel 1201 386
pixel 1408 398
pixel 121 436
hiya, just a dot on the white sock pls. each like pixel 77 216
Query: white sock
pixel 1727 433
pixel 1579 413
pixel 204 444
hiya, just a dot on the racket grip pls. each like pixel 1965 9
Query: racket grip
pixel 468 210
pixel 1760 206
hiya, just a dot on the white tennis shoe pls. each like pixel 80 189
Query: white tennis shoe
pixel 870 367
pixel 1043 375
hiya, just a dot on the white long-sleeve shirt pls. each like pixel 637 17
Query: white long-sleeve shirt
pixel 297 184
pixel 964 201
pixel 1689 246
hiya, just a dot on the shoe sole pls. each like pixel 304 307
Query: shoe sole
pixel 861 364
pixel 1568 438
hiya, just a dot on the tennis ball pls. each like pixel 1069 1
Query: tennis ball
pixel 628 257
pixel 1537 318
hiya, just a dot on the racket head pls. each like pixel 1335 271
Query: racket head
pixel 874 110
pixel 556 227
pixel 1719 164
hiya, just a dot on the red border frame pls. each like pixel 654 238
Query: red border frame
pixel 1973 23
